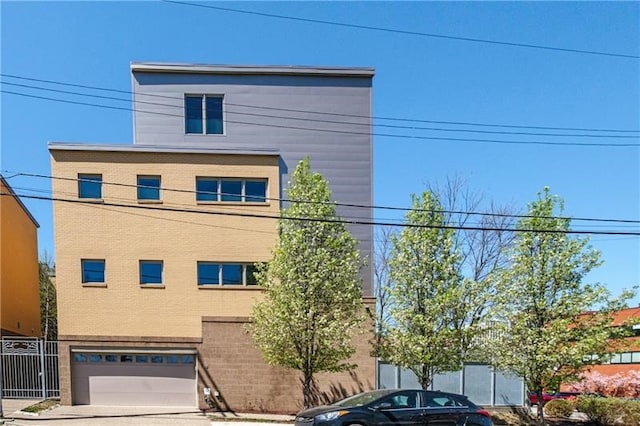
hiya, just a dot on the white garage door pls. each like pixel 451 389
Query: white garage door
pixel 134 378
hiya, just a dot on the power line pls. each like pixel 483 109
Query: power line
pixel 337 203
pixel 346 132
pixel 325 220
pixel 400 119
pixel 308 119
pixel 255 208
pixel 405 32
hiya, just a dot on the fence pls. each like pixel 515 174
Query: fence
pixel 29 368
pixel 479 382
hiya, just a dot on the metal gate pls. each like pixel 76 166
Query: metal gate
pixel 29 368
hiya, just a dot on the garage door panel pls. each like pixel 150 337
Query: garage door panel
pixel 133 383
pixel 140 390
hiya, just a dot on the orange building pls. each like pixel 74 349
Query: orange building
pixel 628 358
pixel 19 275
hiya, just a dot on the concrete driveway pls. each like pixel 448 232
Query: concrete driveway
pixel 101 415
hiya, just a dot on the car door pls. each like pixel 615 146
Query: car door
pixel 443 410
pixel 400 408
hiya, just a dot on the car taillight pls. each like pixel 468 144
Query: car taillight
pixel 484 413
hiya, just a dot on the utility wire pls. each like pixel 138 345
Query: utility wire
pixel 460 123
pixel 324 220
pixel 364 206
pixel 346 132
pixel 405 32
pixel 308 119
pixel 241 207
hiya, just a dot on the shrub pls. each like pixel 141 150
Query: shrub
pixel 620 384
pixel 609 411
pixel 558 408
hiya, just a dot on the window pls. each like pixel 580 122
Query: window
pixel 203 114
pixel 92 270
pixel 403 400
pixel 208 273
pixel 206 189
pixel 231 190
pixel 90 186
pixel 150 272
pixel 148 187
pixel 231 274
pixel 255 191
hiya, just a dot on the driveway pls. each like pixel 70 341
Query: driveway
pixel 101 415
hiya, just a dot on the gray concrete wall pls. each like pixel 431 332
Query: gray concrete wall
pixel 272 111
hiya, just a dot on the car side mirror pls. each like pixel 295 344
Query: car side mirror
pixel 384 406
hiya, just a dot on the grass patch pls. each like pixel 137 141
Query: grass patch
pixel 41 406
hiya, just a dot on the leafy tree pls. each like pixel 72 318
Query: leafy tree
pixel 313 296
pixel 48 304
pixel 545 334
pixel 481 244
pixel 421 335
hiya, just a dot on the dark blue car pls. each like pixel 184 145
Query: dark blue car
pixel 399 407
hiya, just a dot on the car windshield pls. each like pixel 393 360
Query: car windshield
pixel 362 398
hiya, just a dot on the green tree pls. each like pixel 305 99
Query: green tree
pixel 48 305
pixel 545 335
pixel 480 243
pixel 421 333
pixel 313 297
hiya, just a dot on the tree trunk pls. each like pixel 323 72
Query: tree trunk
pixel 425 377
pixel 308 398
pixel 540 413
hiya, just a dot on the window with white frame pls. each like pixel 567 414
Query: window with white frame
pixel 203 114
pixel 226 274
pixel 214 189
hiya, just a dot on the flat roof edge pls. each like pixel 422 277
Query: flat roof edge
pixel 252 69
pixel 70 146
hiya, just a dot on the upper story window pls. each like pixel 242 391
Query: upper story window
pixel 148 188
pixel 231 190
pixel 89 186
pixel 226 274
pixel 203 114
pixel 151 272
pixel 92 271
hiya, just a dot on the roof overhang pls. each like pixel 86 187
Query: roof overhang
pixel 161 67
pixel 62 146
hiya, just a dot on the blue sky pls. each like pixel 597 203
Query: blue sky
pixel 417 77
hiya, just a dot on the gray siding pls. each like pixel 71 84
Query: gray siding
pixel 271 111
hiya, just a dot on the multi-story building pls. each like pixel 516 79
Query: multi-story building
pixel 19 274
pixel 156 240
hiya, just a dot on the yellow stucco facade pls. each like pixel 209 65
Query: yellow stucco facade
pixel 122 230
pixel 19 286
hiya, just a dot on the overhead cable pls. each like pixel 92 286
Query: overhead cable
pixel 324 220
pixel 308 119
pixel 338 203
pixel 345 132
pixel 400 119
pixel 405 32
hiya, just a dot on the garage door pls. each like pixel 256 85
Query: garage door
pixel 143 378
